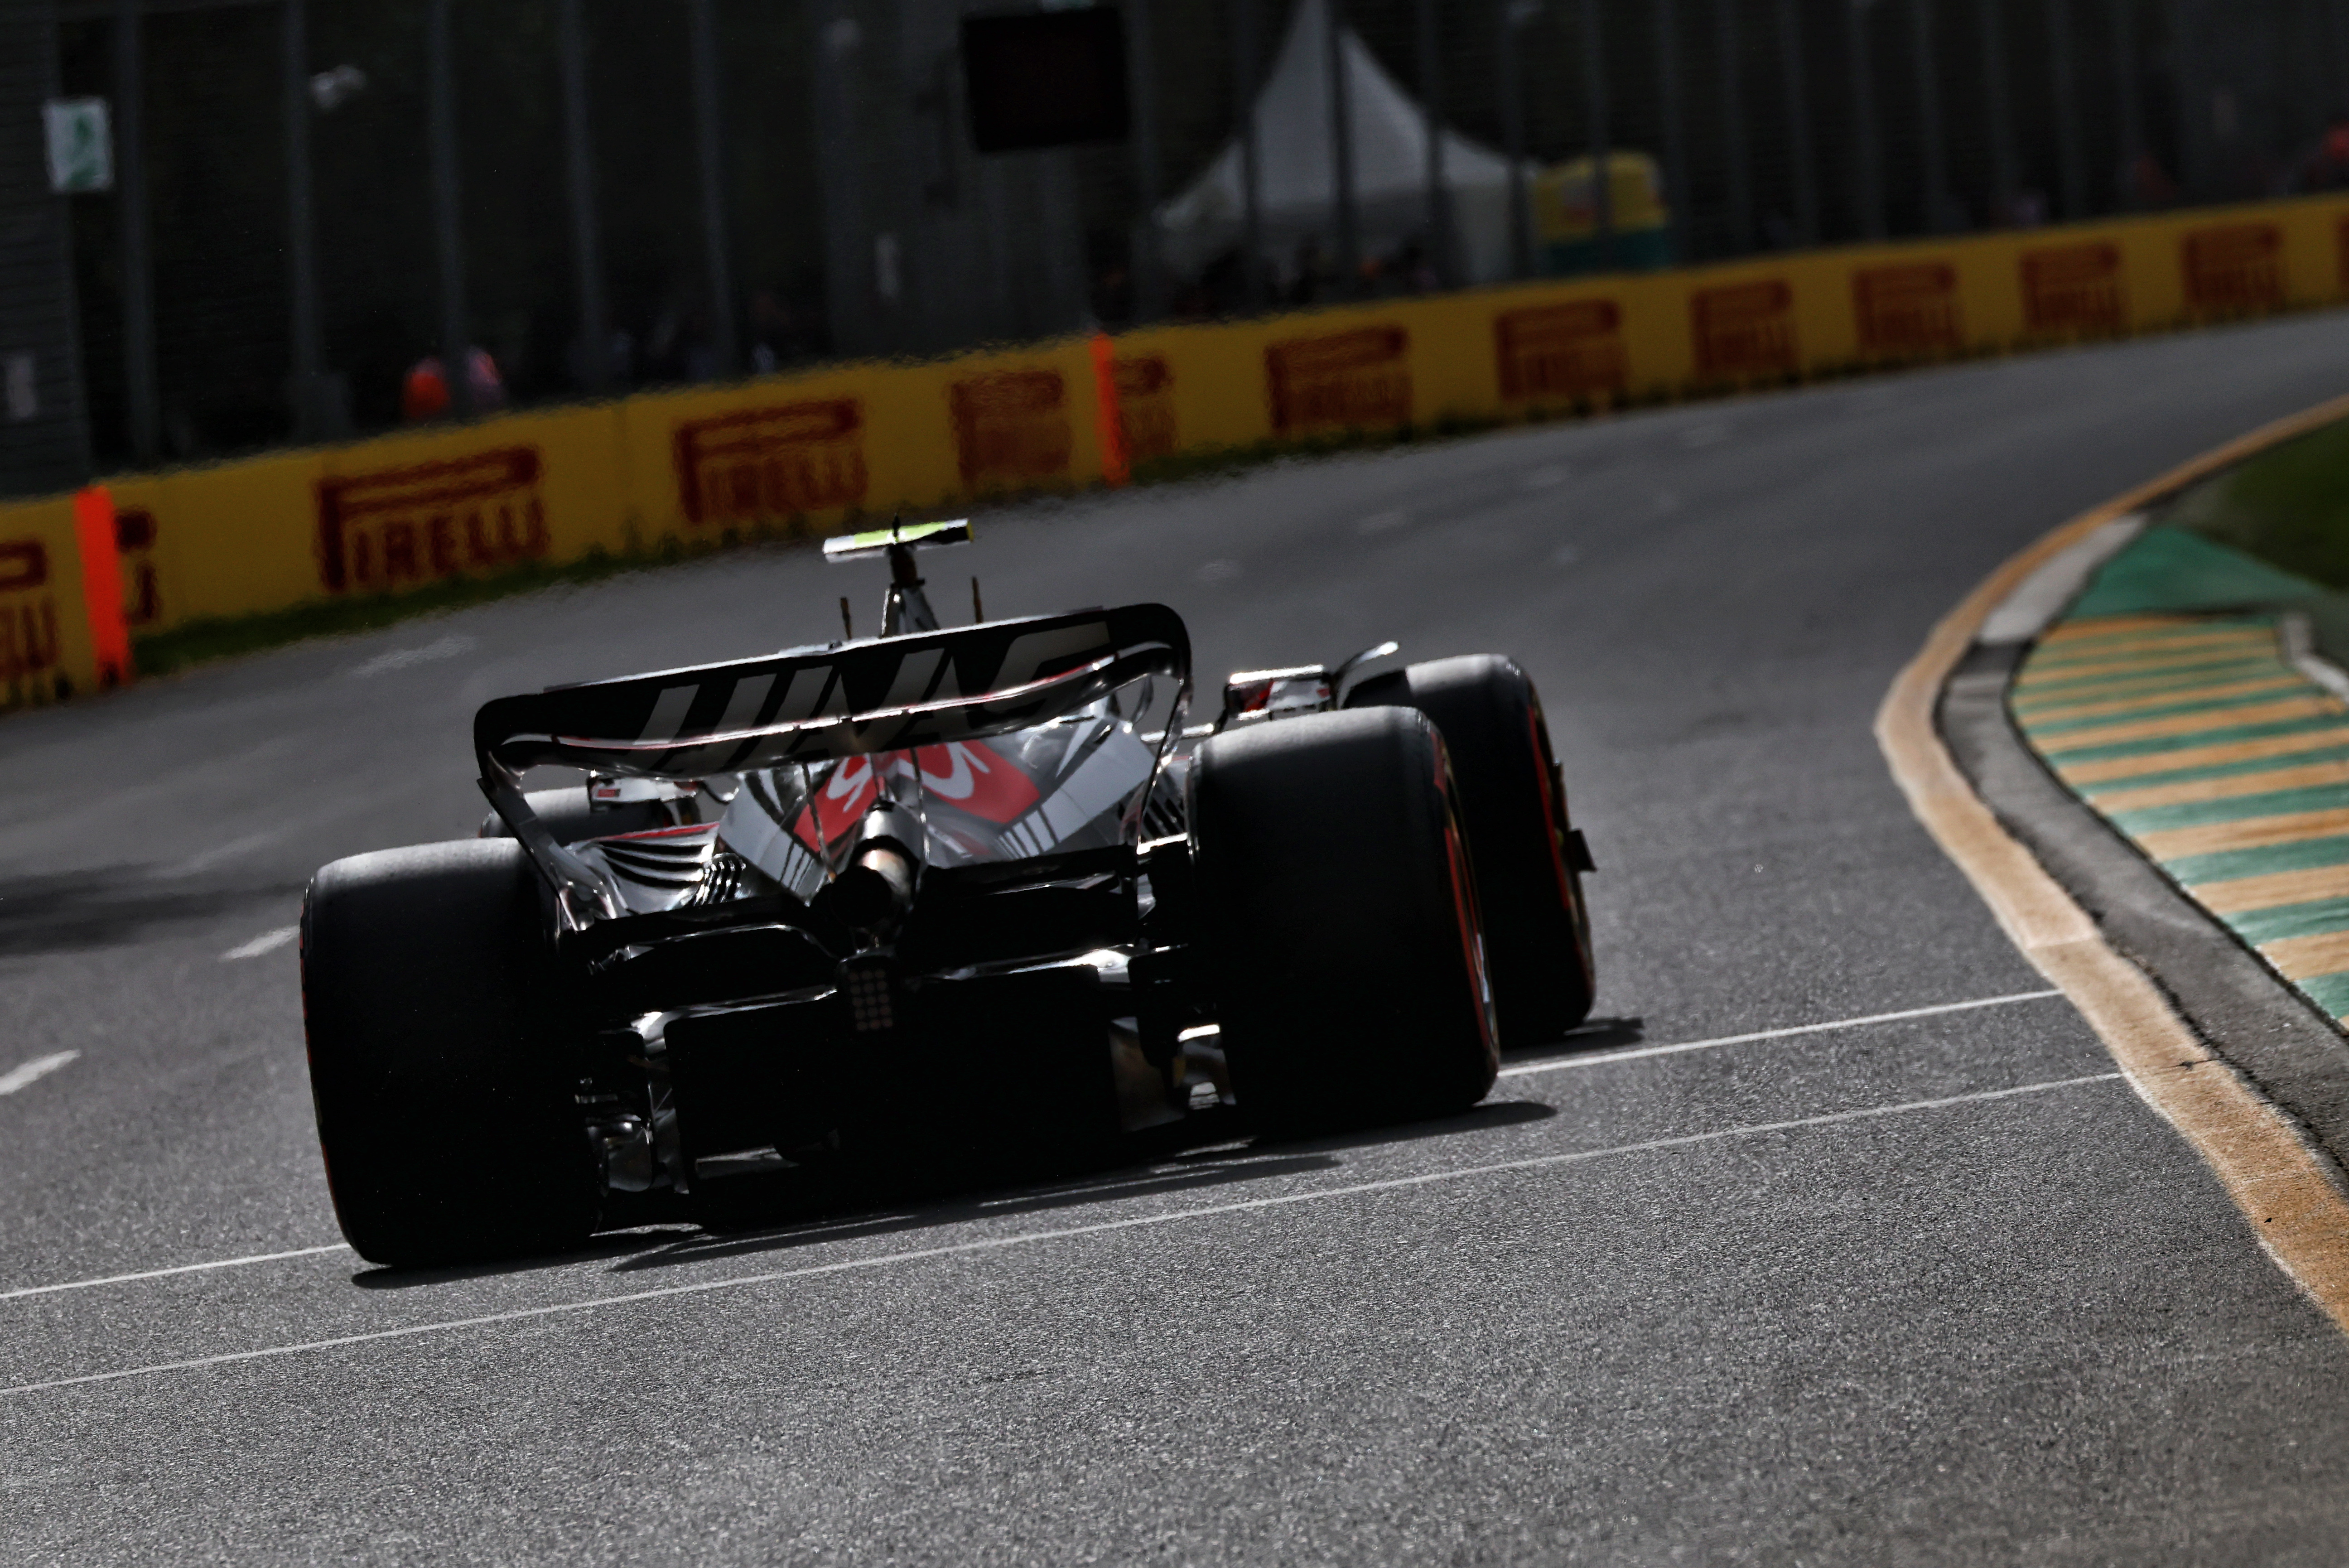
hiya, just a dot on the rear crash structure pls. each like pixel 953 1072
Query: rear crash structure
pixel 853 922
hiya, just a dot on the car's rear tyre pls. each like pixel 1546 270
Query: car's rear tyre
pixel 571 817
pixel 1338 919
pixel 439 1056
pixel 1528 858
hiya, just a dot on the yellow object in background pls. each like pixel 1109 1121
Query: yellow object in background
pixel 1564 202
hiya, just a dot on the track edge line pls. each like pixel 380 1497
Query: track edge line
pixel 2284 1186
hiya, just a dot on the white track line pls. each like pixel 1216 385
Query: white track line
pixel 267 942
pixel 1596 1058
pixel 166 1273
pixel 1600 1058
pixel 39 1067
pixel 1030 1237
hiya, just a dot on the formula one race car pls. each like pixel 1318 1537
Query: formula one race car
pixel 853 922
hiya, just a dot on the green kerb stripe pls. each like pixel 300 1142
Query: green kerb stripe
pixel 2261 926
pixel 2169 710
pixel 2226 864
pixel 2219 770
pixel 2329 991
pixel 2202 813
pixel 2142 639
pixel 2050 693
pixel 2096 753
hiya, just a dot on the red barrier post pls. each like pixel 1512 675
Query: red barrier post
pixel 1115 471
pixel 101 584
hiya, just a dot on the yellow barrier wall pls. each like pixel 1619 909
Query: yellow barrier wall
pixel 44 647
pixel 811 450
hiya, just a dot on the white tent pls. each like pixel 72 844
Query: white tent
pixel 1297 177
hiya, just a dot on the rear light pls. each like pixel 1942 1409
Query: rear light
pixel 871 989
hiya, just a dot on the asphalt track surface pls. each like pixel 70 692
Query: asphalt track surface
pixel 1836 1296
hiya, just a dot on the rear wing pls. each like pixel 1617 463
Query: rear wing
pixel 809 705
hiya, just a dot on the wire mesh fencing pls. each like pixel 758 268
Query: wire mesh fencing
pixel 601 195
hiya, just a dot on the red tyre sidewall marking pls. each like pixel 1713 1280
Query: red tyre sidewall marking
pixel 1472 944
pixel 1553 830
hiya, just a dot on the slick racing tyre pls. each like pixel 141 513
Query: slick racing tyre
pixel 568 816
pixel 437 1057
pixel 1529 859
pixel 1339 921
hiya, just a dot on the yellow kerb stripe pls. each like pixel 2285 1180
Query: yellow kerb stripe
pixel 2134 676
pixel 2108 626
pixel 2104 771
pixel 2290 708
pixel 2225 787
pixel 2240 895
pixel 2145 699
pixel 2055 650
pixel 2302 957
pixel 2252 832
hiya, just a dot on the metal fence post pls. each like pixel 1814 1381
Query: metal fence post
pixel 2339 18
pixel 1341 152
pixel 704 25
pixel 1733 120
pixel 1798 125
pixel 1244 83
pixel 1602 180
pixel 1868 158
pixel 1513 138
pixel 586 238
pixel 301 255
pixel 2128 99
pixel 2070 166
pixel 1668 89
pixel 2191 109
pixel 138 260
pixel 2005 178
pixel 456 346
pixel 1932 151
pixel 1149 278
pixel 1431 95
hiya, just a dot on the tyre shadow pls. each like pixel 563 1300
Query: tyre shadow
pixel 1220 1165
pixel 1234 1167
pixel 1596 1034
pixel 1491 1114
pixel 1230 1163
pixel 615 1246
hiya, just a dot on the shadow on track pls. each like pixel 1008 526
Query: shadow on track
pixel 615 1246
pixel 1491 1114
pixel 1598 1034
pixel 111 905
pixel 1222 1165
pixel 1219 1166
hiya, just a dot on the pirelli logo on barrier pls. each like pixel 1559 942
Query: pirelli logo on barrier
pixel 1909 309
pixel 1146 406
pixel 2073 289
pixel 2233 269
pixel 1347 380
pixel 1562 353
pixel 774 462
pixel 1744 330
pixel 30 659
pixel 1011 429
pixel 398 526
